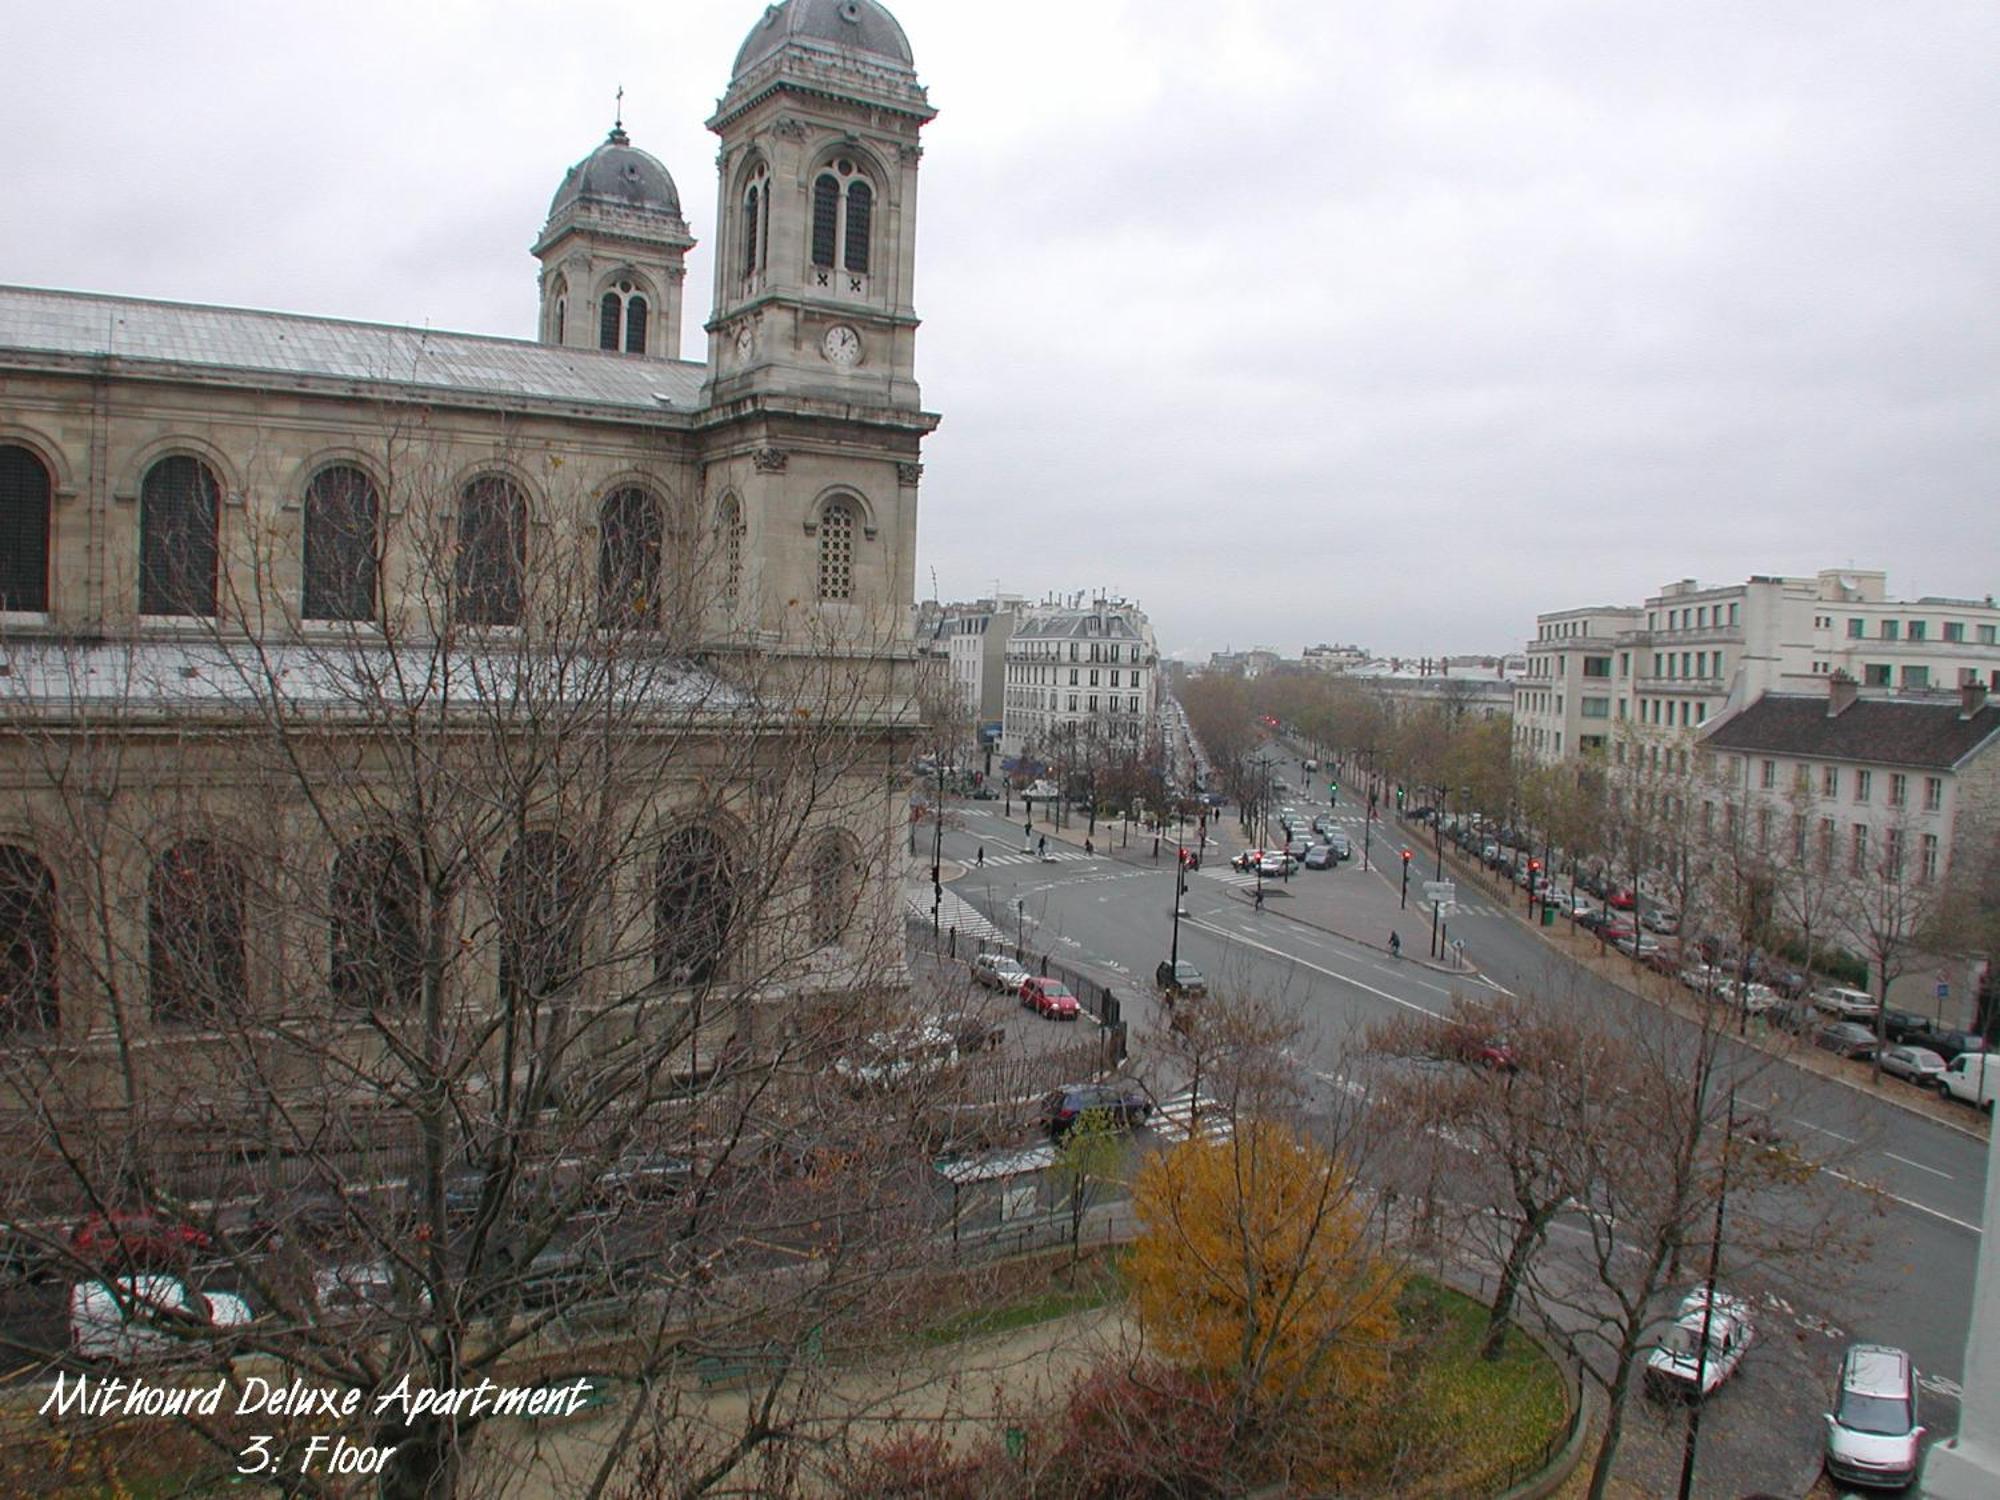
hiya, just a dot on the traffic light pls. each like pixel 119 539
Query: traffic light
pixel 1406 859
pixel 1399 796
pixel 1333 793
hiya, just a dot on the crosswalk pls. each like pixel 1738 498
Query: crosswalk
pixel 953 912
pixel 1055 856
pixel 1178 1116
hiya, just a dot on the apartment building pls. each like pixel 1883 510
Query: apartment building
pixel 1079 672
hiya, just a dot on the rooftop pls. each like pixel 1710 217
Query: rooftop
pixel 1926 734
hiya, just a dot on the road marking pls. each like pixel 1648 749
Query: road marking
pixel 1919 1166
pixel 1922 1208
pixel 1845 1139
pixel 1250 942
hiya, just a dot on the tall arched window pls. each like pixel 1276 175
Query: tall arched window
pixel 342 517
pixel 621 319
pixel 558 305
pixel 180 512
pixel 836 550
pixel 630 533
pixel 541 917
pixel 377 948
pixel 842 215
pixel 27 942
pixel 833 888
pixel 729 550
pixel 752 245
pixel 24 530
pixel 194 934
pixel 694 907
pixel 492 552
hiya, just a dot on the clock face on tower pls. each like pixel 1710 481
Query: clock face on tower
pixel 745 341
pixel 842 345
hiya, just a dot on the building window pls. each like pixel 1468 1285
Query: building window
pixel 1954 631
pixel 194 934
pixel 630 540
pixel 1891 629
pixel 1798 838
pixel 492 552
pixel 1933 793
pixel 1763 828
pixel 1857 853
pixel 1919 630
pixel 1899 789
pixel 1927 868
pixel 621 319
pixel 540 912
pixel 756 222
pixel 1916 677
pixel 836 550
pixel 342 519
pixel 843 214
pixel 28 1000
pixel 377 947
pixel 1892 853
pixel 1826 837
pixel 729 550
pixel 24 530
pixel 694 908
pixel 1767 775
pixel 1855 628
pixel 1875 674
pixel 1829 782
pixel 1864 785
pixel 833 889
pixel 180 513
pixel 1597 666
pixel 1594 708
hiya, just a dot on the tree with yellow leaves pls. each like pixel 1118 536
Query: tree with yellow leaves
pixel 1254 1269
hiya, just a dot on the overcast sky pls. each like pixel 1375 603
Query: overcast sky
pixel 1391 323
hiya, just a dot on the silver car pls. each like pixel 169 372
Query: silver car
pixel 1872 1435
pixel 1918 1065
pixel 998 972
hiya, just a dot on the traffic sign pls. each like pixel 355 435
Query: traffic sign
pixel 1440 890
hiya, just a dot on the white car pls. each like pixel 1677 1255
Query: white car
pixel 1676 1364
pixel 147 1316
pixel 908 1055
pixel 998 972
pixel 1873 1437
pixel 1844 1004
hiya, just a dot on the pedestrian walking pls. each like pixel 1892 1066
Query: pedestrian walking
pixel 980 858
pixel 1087 849
pixel 1395 946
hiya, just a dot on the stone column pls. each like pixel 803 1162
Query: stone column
pixel 1968 1467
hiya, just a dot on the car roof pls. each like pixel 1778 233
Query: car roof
pixel 1876 1370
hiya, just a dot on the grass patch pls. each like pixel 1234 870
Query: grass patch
pixel 1100 1281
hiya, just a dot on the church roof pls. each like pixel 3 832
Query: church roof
pixel 620 174
pixel 851 25
pixel 238 344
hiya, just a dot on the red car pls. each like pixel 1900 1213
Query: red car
pixel 1622 899
pixel 1048 997
pixel 1464 1042
pixel 136 1239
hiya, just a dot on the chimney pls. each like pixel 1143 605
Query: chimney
pixel 1842 690
pixel 1971 698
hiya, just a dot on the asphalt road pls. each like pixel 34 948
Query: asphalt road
pixel 1112 914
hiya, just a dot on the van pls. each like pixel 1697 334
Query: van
pixel 1968 1078
pixel 1872 1436
pixel 151 1315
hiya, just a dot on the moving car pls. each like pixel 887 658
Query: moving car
pixel 1121 1104
pixel 998 972
pixel 1846 1038
pixel 1918 1065
pixel 1872 1434
pixel 1341 845
pixel 1321 857
pixel 1178 978
pixel 146 1316
pixel 1276 865
pixel 1678 1364
pixel 1048 997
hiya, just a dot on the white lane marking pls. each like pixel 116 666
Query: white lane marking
pixel 1250 942
pixel 1922 1208
pixel 1845 1139
pixel 1919 1166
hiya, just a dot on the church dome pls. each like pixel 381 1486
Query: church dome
pixel 851 25
pixel 618 173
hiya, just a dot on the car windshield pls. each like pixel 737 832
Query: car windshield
pixel 1682 1342
pixel 1882 1416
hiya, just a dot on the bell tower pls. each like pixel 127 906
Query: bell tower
pixel 816 212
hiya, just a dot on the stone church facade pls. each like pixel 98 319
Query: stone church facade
pixel 263 575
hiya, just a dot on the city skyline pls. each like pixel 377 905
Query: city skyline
pixel 1463 316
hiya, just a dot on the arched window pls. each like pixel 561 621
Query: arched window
pixel 492 552
pixel 751 243
pixel 836 550
pixel 694 907
pixel 24 530
pixel 630 532
pixel 342 516
pixel 842 215
pixel 833 889
pixel 562 318
pixel 729 549
pixel 180 511
pixel 558 305
pixel 377 951
pixel 621 319
pixel 194 934
pixel 541 917
pixel 27 942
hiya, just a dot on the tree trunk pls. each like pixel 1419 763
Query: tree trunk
pixel 1501 1314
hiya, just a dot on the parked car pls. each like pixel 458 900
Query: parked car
pixel 1178 978
pixel 147 1316
pixel 1844 1004
pixel 1904 1025
pixel 1637 944
pixel 1947 1043
pixel 140 1239
pixel 1659 919
pixel 1972 1078
pixel 1678 1364
pixel 1872 1433
pixel 1846 1038
pixel 971 1030
pixel 639 1174
pixel 1918 1065
pixel 1466 1042
pixel 1704 979
pixel 1793 1015
pixel 998 972
pixel 1748 996
pixel 1122 1104
pixel 1048 997
pixel 1622 898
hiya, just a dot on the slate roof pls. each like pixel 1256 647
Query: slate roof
pixel 273 348
pixel 1087 624
pixel 1930 735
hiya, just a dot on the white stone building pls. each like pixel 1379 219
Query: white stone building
pixel 1081 675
